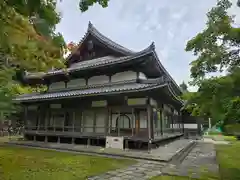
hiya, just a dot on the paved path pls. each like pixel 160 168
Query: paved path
pixel 202 157
pixel 200 160
pixel 143 170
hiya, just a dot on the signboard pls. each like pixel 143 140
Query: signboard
pixel 136 101
pixel 114 142
pixel 55 106
pixel 99 103
pixel 32 107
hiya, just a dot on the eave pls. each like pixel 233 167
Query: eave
pixel 92 64
pixel 92 91
pixel 88 65
pixel 176 87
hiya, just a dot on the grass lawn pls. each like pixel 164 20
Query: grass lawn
pixel 27 164
pixel 229 163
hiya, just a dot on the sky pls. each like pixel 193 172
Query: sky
pixel 136 23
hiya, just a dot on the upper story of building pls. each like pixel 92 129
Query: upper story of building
pixel 99 61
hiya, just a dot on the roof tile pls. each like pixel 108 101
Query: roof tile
pixel 88 91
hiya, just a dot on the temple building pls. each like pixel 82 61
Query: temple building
pixel 107 95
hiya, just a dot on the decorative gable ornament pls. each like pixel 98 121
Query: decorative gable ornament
pixel 90 45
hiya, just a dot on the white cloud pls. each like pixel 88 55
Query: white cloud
pixel 135 23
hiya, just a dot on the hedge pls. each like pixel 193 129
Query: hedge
pixel 232 129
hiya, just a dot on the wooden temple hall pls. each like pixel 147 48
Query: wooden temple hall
pixel 108 96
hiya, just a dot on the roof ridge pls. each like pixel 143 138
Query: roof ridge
pixel 107 40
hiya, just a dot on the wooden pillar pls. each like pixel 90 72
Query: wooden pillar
pixel 118 122
pixel 161 122
pixel 73 120
pixel 39 114
pixel 82 121
pixel 54 127
pixel 133 117
pixel 65 116
pixel 25 115
pixel 179 123
pixel 88 142
pixel 110 119
pixel 46 120
pixel 106 124
pixel 94 120
pixel 137 121
pixel 182 121
pixel 126 144
pixel 46 139
pixel 149 128
pixel 149 123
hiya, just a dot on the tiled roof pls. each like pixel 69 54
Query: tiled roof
pixel 103 39
pixel 116 88
pixel 106 60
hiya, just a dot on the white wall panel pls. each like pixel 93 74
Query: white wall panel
pixel 98 80
pixel 123 76
pixel 57 85
pixel 76 83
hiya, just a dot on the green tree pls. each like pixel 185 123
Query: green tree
pixel 217 50
pixel 28 42
pixel 85 4
pixel 183 87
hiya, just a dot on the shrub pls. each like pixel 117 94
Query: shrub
pixel 232 129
